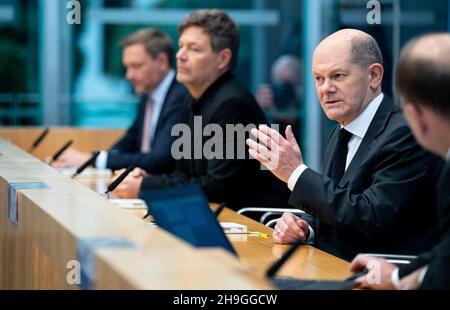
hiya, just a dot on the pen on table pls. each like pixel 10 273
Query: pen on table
pixel 259 234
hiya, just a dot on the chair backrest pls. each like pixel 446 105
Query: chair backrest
pixel 268 213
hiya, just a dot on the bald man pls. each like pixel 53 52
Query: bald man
pixel 376 193
pixel 422 80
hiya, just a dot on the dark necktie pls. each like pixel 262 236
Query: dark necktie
pixel 340 155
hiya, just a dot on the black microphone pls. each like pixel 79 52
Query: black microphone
pixel 119 179
pixel 277 265
pixel 219 209
pixel 89 162
pixel 39 140
pixel 57 154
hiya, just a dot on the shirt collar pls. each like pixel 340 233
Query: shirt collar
pixel 359 125
pixel 215 86
pixel 448 154
pixel 211 90
pixel 161 90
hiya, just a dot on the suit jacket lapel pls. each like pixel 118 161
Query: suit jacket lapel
pixel 164 108
pixel 376 127
pixel 329 151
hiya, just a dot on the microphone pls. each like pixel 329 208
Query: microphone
pixel 277 265
pixel 119 179
pixel 347 283
pixel 57 154
pixel 39 140
pixel 88 163
pixel 219 209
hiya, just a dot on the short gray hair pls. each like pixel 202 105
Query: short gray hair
pixel 365 51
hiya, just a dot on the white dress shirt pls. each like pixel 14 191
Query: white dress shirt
pixel 448 154
pixel 396 280
pixel 358 127
pixel 158 96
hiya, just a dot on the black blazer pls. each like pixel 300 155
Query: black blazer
pixel 438 259
pixel 384 202
pixel 237 182
pixel 127 151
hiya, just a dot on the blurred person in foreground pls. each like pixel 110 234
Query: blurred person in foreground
pixel 422 81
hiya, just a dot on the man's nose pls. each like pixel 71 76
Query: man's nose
pixel 181 55
pixel 328 86
pixel 129 74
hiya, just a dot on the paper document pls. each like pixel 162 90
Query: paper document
pixel 129 203
pixel 233 228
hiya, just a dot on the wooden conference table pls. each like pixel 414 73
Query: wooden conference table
pixel 42 250
pixel 84 139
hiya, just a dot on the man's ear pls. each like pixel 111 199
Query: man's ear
pixel 376 72
pixel 225 58
pixel 420 120
pixel 163 60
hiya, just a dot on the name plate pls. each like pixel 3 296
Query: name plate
pixel 13 187
pixel 86 248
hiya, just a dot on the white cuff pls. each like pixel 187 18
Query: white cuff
pixel 295 175
pixel 102 159
pixel 422 275
pixel 395 279
pixel 310 239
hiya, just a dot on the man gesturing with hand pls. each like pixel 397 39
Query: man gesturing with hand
pixel 376 179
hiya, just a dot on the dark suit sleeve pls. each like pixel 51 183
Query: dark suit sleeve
pixel 385 190
pixel 438 274
pixel 222 176
pixel 311 220
pixel 159 159
pixel 437 259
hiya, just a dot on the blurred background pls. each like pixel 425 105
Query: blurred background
pixel 55 73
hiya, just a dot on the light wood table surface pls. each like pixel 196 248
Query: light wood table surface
pixel 259 252
pixel 35 253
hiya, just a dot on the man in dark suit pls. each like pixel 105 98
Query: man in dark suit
pixel 147 56
pixel 208 49
pixel 422 80
pixel 377 180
